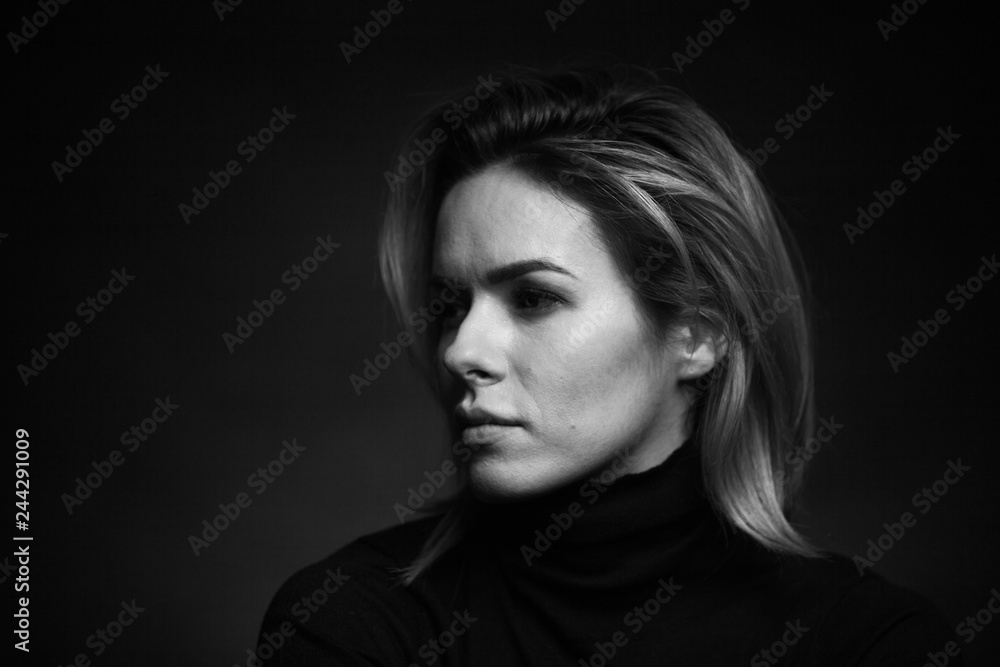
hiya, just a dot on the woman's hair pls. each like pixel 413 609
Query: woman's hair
pixel 661 180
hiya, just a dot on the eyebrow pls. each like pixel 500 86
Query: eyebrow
pixel 515 269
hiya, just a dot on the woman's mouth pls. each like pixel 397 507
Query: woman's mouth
pixel 487 434
pixel 481 427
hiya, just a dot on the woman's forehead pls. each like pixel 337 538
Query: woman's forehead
pixel 501 216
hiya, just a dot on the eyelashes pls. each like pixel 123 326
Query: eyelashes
pixel 536 300
pixel 524 301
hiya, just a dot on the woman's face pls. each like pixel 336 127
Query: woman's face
pixel 548 340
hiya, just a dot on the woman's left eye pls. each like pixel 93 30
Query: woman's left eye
pixel 536 299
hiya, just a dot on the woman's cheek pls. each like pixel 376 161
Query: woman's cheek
pixel 589 377
pixel 605 338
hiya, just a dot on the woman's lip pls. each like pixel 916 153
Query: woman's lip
pixel 483 434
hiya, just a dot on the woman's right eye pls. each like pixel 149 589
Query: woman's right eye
pixel 455 311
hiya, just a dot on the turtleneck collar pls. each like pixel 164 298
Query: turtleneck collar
pixel 646 521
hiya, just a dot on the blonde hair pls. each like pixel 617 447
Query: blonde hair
pixel 655 171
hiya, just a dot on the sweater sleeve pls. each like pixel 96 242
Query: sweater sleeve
pixel 912 641
pixel 347 610
pixel 878 624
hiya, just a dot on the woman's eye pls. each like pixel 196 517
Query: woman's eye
pixel 536 299
pixel 455 310
pixel 528 300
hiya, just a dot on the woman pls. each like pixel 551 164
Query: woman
pixel 627 365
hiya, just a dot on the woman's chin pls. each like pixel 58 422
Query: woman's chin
pixel 496 483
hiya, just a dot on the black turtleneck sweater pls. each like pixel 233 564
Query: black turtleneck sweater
pixel 640 572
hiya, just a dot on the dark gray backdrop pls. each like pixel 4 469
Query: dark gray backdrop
pixel 322 176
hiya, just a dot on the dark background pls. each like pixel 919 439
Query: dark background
pixel 323 175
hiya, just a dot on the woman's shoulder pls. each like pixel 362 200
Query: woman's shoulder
pixel 846 587
pixel 860 617
pixel 352 604
pixel 374 557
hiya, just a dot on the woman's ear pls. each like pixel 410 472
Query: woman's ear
pixel 698 355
